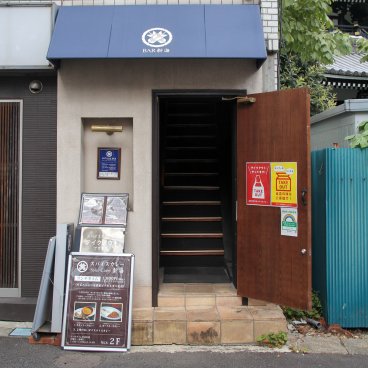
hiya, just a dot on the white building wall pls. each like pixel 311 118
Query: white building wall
pixel 270 19
pixel 25 34
pixel 333 125
pixel 334 130
pixel 123 89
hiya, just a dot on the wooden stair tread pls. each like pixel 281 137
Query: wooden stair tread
pixel 192 174
pixel 191 187
pixel 208 219
pixel 193 235
pixel 191 136
pixel 191 125
pixel 191 203
pixel 209 252
pixel 180 114
pixel 206 160
pixel 186 148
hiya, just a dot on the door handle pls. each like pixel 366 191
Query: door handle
pixel 304 199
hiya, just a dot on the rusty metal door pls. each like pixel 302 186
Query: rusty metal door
pixel 273 267
pixel 9 193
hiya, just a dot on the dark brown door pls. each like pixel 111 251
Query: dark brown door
pixel 273 267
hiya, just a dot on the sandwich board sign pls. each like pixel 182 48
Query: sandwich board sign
pixel 98 307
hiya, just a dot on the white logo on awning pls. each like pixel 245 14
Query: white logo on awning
pixel 157 37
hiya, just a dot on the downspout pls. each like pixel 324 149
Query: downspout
pixel 280 45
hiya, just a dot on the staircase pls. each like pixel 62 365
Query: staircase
pixel 191 213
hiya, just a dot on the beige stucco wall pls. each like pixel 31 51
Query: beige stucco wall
pixel 123 140
pixel 123 89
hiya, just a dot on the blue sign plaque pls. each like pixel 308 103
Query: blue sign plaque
pixel 108 163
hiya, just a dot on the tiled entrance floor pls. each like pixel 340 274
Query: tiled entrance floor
pixel 204 314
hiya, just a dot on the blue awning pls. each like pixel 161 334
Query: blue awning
pixel 158 31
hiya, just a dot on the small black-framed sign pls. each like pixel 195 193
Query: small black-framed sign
pixel 108 163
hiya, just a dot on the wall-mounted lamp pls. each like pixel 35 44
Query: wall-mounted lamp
pixel 35 86
pixel 108 129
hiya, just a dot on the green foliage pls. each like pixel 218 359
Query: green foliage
pixel 359 140
pixel 309 41
pixel 308 32
pixel 273 340
pixel 296 73
pixel 362 47
pixel 316 312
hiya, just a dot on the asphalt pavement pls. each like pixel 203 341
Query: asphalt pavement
pixel 301 352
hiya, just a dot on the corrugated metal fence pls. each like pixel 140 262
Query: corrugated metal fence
pixel 340 234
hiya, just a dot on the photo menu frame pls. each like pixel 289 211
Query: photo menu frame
pixel 104 209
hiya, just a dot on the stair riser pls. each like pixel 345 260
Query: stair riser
pixel 191 180
pixel 174 211
pixel 197 111
pixel 191 167
pixel 190 244
pixel 195 119
pixel 191 154
pixel 203 319
pixel 191 129
pixel 191 226
pixel 200 302
pixel 195 261
pixel 191 141
pixel 191 195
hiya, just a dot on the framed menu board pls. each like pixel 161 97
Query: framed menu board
pixel 99 239
pixel 98 306
pixel 98 209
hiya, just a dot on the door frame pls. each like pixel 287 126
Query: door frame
pixel 16 292
pixel 156 95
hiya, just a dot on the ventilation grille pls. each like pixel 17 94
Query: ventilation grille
pixel 9 193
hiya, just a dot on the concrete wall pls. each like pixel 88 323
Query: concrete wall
pixel 333 130
pixel 123 140
pixel 333 125
pixel 269 70
pixel 123 89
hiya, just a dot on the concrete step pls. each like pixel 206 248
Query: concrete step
pixel 203 325
pixel 204 314
pixel 188 295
